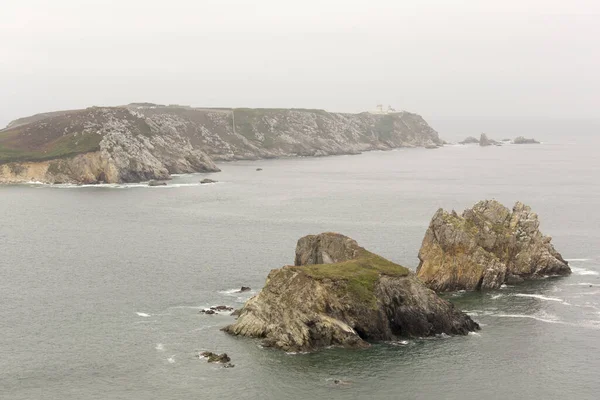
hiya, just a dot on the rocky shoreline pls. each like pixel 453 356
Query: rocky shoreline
pixel 143 142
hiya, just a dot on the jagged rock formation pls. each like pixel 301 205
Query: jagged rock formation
pixel 485 247
pixel 338 293
pixel 146 141
pixel 523 140
pixel 485 141
pixel 470 140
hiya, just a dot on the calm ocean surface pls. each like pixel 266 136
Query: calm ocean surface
pixel 100 287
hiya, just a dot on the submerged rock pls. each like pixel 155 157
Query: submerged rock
pixel 487 246
pixel 207 180
pixel 157 183
pixel 259 169
pixel 338 293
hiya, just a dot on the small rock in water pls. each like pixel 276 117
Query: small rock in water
pixel 217 358
pixel 221 308
pixel 206 180
pixel 214 309
pixel 157 183
pixel 244 289
pixel 259 169
pixel 341 382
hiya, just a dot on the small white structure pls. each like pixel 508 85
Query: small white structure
pixel 380 110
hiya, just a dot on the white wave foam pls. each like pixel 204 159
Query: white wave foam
pixel 171 359
pixel 143 314
pixel 583 284
pixel 583 271
pixel 159 347
pixel 230 291
pixel 577 259
pixel 540 297
pixel 123 185
pixel 537 318
pixel 497 296
pixel 474 333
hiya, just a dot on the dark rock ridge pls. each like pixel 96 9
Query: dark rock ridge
pixel 487 246
pixel 145 141
pixel 338 293
pixel 470 140
pixel 523 140
pixel 157 183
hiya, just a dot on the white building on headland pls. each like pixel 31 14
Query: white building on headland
pixel 380 110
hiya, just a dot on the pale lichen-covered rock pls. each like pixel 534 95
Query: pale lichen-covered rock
pixel 338 293
pixel 485 247
pixel 144 141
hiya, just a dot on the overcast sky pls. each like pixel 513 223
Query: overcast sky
pixel 538 58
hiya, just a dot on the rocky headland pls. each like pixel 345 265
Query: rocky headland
pixel 485 247
pixel 338 293
pixel 144 141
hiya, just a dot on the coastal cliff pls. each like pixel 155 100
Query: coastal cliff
pixel 144 141
pixel 487 246
pixel 338 293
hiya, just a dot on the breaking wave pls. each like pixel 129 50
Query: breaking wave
pixel 583 271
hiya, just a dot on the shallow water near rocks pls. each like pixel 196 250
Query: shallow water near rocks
pixel 101 287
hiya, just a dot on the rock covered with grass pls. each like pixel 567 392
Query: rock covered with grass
pixel 338 293
pixel 485 247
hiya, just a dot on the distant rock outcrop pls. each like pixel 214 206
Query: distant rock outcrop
pixel 523 140
pixel 338 293
pixel 470 140
pixel 145 141
pixel 485 247
pixel 485 141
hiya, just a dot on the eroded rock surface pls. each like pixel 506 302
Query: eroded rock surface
pixel 144 141
pixel 486 246
pixel 338 293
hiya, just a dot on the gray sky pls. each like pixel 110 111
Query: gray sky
pixel 538 58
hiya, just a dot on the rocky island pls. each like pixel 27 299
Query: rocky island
pixel 485 141
pixel 145 141
pixel 523 140
pixel 338 293
pixel 485 247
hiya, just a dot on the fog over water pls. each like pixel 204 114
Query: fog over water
pixel 532 58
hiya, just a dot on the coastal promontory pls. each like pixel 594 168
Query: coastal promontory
pixel 145 141
pixel 340 294
pixel 485 247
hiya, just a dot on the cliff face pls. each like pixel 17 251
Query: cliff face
pixel 485 247
pixel 145 141
pixel 338 293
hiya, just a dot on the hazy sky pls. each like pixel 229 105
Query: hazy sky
pixel 437 58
